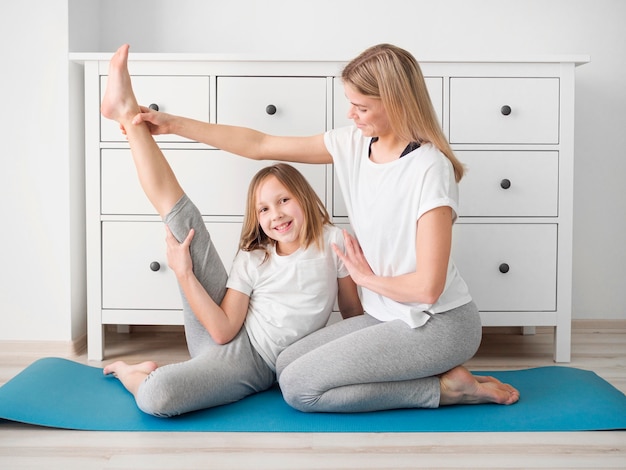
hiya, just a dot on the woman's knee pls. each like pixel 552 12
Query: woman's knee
pixel 297 393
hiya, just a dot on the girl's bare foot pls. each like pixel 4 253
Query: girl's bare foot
pixel 121 367
pixel 459 386
pixel 131 375
pixel 119 102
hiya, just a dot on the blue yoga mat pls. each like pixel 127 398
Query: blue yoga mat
pixel 60 393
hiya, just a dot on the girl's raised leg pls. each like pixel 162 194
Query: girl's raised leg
pixel 119 104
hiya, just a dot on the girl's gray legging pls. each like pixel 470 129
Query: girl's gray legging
pixel 215 374
pixel 362 364
pixel 359 364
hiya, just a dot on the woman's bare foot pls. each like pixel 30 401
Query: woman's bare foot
pixel 131 375
pixel 459 386
pixel 119 102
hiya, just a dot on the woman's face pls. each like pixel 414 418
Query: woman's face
pixel 280 215
pixel 368 113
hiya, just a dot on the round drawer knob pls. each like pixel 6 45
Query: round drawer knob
pixel 155 266
pixel 270 109
pixel 154 106
pixel 505 110
pixel 505 183
pixel 503 268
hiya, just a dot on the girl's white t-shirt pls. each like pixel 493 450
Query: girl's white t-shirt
pixel 384 203
pixel 290 296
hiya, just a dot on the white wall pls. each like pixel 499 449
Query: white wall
pixel 40 242
pixel 42 239
pixel 450 29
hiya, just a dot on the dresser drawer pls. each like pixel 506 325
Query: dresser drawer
pixel 216 181
pixel 504 110
pixel 511 184
pixel 275 105
pixel 180 95
pixel 131 280
pixel 508 267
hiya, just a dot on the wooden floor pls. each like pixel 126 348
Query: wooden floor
pixel 602 350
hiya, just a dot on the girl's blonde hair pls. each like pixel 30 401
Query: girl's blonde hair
pixel 315 213
pixel 391 74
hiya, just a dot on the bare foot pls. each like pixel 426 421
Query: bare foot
pixel 459 386
pixel 121 367
pixel 119 102
pixel 131 375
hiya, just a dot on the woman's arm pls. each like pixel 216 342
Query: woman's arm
pixel 348 298
pixel 224 321
pixel 425 285
pixel 241 141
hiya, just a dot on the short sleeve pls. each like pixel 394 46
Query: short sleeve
pixel 336 237
pixel 439 188
pixel 240 274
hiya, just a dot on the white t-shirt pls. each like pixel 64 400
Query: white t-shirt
pixel 290 296
pixel 384 203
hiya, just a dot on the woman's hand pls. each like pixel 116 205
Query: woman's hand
pixel 354 259
pixel 178 255
pixel 157 122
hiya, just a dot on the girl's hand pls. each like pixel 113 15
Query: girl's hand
pixel 354 259
pixel 178 255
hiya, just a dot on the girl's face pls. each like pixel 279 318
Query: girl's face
pixel 368 113
pixel 280 215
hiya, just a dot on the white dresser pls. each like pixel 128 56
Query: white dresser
pixel 511 122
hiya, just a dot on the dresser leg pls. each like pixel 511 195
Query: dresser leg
pixel 562 343
pixel 95 342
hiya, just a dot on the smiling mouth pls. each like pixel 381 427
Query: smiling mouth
pixel 283 227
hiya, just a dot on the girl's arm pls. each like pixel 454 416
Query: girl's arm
pixel 348 298
pixel 241 141
pixel 224 321
pixel 425 285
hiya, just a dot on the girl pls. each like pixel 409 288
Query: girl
pixel 399 179
pixel 283 284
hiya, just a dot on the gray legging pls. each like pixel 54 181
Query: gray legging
pixel 362 364
pixel 215 374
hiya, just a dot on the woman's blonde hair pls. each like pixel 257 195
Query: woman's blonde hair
pixel 391 74
pixel 315 213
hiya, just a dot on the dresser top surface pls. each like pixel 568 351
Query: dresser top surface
pixel 81 57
